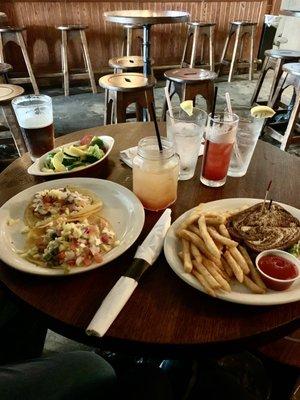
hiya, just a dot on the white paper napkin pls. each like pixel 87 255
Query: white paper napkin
pixel 116 299
pixel 127 155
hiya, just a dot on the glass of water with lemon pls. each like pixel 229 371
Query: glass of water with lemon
pixel 185 127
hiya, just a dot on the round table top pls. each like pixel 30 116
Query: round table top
pixel 146 17
pixel 190 75
pixel 292 68
pixel 126 81
pixel 164 314
pixel 288 54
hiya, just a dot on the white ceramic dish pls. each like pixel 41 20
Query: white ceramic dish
pixel 239 294
pixel 120 207
pixel 36 167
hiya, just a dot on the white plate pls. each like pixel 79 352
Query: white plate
pixel 239 294
pixel 120 207
pixel 36 167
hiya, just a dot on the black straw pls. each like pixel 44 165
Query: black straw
pixel 214 105
pixel 270 204
pixel 156 126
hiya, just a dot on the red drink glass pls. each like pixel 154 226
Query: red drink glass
pixel 219 137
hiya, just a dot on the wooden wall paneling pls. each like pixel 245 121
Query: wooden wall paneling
pixel 105 39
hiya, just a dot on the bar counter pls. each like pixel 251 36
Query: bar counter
pixel 105 38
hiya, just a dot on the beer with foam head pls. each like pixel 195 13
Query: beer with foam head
pixel 35 117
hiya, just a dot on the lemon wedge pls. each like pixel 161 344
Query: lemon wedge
pixel 75 151
pixel 188 107
pixel 57 162
pixel 262 112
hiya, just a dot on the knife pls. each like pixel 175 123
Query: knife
pixel 146 255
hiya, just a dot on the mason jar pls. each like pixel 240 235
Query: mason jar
pixel 155 173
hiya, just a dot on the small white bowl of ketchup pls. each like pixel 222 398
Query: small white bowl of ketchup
pixel 278 269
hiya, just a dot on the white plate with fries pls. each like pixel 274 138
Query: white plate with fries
pixel 211 261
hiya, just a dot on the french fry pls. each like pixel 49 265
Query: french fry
pixel 253 272
pixel 187 262
pixel 196 253
pixel 215 220
pixel 236 269
pixel 204 284
pixel 226 267
pixel 214 271
pixel 212 248
pixel 253 286
pixel 211 281
pixel 223 230
pixel 202 246
pixel 239 259
pixel 221 239
pixel 193 217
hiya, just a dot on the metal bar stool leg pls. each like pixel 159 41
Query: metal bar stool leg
pixel 27 62
pixel 86 56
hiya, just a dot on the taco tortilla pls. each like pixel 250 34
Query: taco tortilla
pixel 72 203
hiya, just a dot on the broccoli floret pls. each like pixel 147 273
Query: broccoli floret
pixel 94 153
pixel 97 141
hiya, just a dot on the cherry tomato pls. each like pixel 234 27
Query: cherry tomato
pixel 98 257
pixel 86 139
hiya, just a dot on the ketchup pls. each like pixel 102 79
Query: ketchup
pixel 278 267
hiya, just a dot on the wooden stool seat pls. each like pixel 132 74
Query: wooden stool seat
pixel 197 31
pixel 123 89
pixel 72 27
pixel 286 54
pixel 240 29
pixel 190 75
pixel 188 83
pixel 127 63
pixel 4 68
pixel 274 60
pixel 201 23
pixel 14 34
pixel 76 31
pixel 7 94
pixel 284 129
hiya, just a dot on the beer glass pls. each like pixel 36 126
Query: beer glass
pixel 35 117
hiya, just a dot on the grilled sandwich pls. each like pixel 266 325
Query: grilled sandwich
pixel 263 229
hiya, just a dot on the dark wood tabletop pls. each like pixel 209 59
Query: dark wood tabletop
pixel 164 314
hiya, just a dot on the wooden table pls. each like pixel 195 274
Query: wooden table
pixel 146 18
pixel 164 314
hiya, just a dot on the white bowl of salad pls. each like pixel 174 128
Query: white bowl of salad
pixel 73 157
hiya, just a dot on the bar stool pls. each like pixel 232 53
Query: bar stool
pixel 7 94
pixel 195 31
pixel 188 83
pixel 127 63
pixel 240 29
pixel 274 60
pixel 128 39
pixel 75 31
pixel 283 131
pixel 121 90
pixel 4 69
pixel 14 34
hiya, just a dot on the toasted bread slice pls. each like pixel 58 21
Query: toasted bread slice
pixel 263 230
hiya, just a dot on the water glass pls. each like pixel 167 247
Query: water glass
pixel 35 117
pixel 186 132
pixel 219 137
pixel 246 138
pixel 155 173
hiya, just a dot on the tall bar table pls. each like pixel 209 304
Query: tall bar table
pixel 146 18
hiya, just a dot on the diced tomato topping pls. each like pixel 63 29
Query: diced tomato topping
pixel 104 238
pixel 86 139
pixel 74 245
pixel 87 261
pixel 61 256
pixel 98 257
pixel 71 263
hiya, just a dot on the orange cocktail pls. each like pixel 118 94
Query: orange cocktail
pixel 155 174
